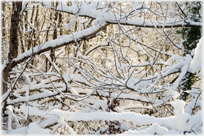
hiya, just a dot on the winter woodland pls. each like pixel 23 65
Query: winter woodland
pixel 101 67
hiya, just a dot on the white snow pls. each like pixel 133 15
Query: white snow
pixel 71 23
pixel 47 4
pixel 196 63
pixel 88 10
pixel 152 130
pixel 5 95
pixel 177 122
pixel 136 5
pixel 59 42
pixel 32 129
pixel 86 106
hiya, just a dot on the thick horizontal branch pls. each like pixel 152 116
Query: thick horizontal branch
pixel 53 44
pixel 86 10
pixel 135 117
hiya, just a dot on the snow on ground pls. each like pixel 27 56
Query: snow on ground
pixel 32 129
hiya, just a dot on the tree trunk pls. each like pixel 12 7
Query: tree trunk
pixel 52 51
pixel 14 29
pixel 2 29
pixel 13 44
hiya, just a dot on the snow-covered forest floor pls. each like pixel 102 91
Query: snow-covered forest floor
pixel 101 67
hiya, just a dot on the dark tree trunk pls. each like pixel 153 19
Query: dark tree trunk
pixel 52 51
pixel 13 44
pixel 17 6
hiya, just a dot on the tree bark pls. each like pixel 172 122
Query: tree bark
pixel 13 44
pixel 52 51
pixel 17 6
pixel 2 26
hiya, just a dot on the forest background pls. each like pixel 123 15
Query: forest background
pixel 101 67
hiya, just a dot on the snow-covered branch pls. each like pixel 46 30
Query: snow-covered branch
pixel 104 15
